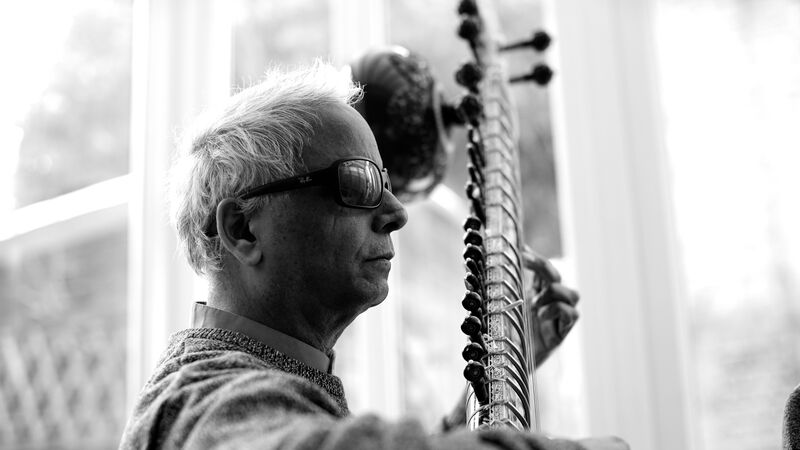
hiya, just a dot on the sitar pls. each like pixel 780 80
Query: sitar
pixel 500 355
pixel 409 116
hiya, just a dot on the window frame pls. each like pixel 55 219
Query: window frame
pixel 618 220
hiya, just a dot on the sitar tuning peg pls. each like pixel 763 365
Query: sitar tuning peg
pixel 472 301
pixel 475 373
pixel 472 223
pixel 473 191
pixel 541 74
pixel 473 237
pixel 539 42
pixel 471 326
pixel 471 109
pixel 469 29
pixel 475 174
pixel 476 154
pixel 472 282
pixel 473 352
pixel 469 75
pixel 473 252
pixel 468 7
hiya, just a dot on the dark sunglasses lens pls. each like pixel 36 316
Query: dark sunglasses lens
pixel 360 183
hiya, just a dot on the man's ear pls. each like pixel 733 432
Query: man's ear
pixel 234 233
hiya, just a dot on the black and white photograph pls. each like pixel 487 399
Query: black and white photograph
pixel 400 224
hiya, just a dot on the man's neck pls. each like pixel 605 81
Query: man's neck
pixel 310 324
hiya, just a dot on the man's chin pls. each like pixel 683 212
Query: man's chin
pixel 380 296
pixel 376 294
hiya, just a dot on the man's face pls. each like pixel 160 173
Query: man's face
pixel 314 246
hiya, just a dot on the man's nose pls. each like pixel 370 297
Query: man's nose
pixel 391 215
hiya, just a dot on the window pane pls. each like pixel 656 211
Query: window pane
pixel 64 126
pixel 62 342
pixel 64 117
pixel 284 33
pixel 731 87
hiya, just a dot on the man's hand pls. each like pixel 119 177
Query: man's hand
pixel 553 313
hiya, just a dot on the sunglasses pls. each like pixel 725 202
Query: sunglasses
pixel 356 182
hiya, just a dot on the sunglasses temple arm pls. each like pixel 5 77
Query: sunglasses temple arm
pixel 311 179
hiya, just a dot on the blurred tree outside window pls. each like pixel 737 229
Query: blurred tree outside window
pixel 76 131
pixel 64 128
pixel 277 34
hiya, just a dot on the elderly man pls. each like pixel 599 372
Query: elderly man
pixel 282 202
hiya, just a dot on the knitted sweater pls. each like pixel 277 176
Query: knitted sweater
pixel 216 388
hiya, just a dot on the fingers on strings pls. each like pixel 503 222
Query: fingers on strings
pixel 543 268
pixel 556 320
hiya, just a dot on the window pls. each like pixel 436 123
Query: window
pixel 63 242
pixel 731 72
pixel 270 33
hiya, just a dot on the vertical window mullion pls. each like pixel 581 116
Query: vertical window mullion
pixel 181 63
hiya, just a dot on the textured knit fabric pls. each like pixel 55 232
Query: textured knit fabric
pixel 205 316
pixel 791 422
pixel 219 389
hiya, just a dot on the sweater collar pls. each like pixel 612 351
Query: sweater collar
pixel 205 316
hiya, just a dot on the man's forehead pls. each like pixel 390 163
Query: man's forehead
pixel 340 133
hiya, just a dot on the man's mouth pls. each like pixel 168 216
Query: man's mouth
pixel 382 257
pixel 386 255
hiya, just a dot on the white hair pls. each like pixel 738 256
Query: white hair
pixel 255 137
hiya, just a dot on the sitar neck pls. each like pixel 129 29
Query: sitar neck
pixel 500 360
